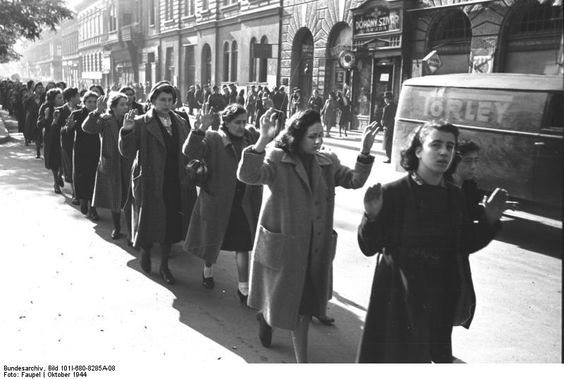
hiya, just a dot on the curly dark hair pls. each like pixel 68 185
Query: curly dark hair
pixel 292 136
pixel 52 94
pixel 409 160
pixel 231 112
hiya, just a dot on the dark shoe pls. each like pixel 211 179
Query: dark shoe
pixel 166 275
pixel 325 320
pixel 209 283
pixel 83 207
pixel 146 262
pixel 75 201
pixel 93 215
pixel 38 156
pixel 388 160
pixel 57 189
pixel 116 234
pixel 265 331
pixel 60 182
pixel 242 298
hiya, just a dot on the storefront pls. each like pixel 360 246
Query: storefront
pixel 378 46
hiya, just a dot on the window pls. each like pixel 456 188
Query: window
pixel 234 54
pixel 252 61
pixel 451 28
pixel 188 7
pixel 168 9
pixel 539 18
pixel 226 62
pixel 205 5
pixel 152 12
pixel 263 62
pixel 112 24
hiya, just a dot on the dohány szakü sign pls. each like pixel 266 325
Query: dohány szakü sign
pixel 380 20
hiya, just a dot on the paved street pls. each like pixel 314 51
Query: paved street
pixel 71 292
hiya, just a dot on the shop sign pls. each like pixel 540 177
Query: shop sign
pixel 482 64
pixel 380 20
pixel 432 62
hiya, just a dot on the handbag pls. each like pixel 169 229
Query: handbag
pixel 197 172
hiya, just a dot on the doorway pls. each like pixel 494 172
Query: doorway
pixel 382 81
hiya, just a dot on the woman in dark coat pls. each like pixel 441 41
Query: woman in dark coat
pixel 51 135
pixel 32 105
pixel 19 110
pixel 114 171
pixel 86 155
pixel 420 231
pixel 226 212
pixel 163 198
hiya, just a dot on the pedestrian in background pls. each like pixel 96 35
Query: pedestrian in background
pixel 131 100
pixel 114 171
pixel 315 101
pixel 191 99
pixel 329 113
pixel 291 270
pixel 51 135
pixel 86 155
pixel 241 98
pixel 251 104
pixel 198 99
pixel 344 104
pixel 226 212
pixel 388 122
pixel 419 227
pixel 163 198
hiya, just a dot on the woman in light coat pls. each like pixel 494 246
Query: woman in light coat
pixel 113 172
pixel 291 269
pixel 226 212
pixel 163 198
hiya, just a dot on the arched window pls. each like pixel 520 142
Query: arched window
pixel 206 64
pixel 532 39
pixel 226 62
pixel 263 62
pixel 252 61
pixel 451 36
pixel 234 54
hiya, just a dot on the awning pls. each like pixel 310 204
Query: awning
pixel 472 2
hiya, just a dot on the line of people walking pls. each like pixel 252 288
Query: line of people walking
pixel 203 186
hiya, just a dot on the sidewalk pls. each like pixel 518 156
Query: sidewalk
pixel 352 142
pixel 4 135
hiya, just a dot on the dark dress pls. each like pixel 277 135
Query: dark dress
pixel 171 186
pixel 85 158
pixel 51 138
pixel 422 283
pixel 67 143
pixel 31 112
pixel 238 234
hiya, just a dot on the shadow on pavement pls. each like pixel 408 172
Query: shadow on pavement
pixel 518 231
pixel 216 314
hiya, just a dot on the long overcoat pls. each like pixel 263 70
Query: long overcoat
pixel 211 213
pixel 296 223
pixel 146 146
pixel 66 142
pixel 392 331
pixel 31 113
pixel 51 136
pixel 113 172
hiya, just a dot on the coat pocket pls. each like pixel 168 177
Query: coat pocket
pixel 270 248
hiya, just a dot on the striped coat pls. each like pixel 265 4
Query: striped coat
pixel 113 172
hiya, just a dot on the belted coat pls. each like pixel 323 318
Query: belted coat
pixel 145 145
pixel 113 172
pixel 296 224
pixel 211 213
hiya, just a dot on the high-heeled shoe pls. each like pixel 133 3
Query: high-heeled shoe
pixel 166 275
pixel 242 298
pixel 325 320
pixel 145 262
pixel 57 189
pixel 93 215
pixel 116 234
pixel 209 283
pixel 265 331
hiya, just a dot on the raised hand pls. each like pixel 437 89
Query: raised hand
pixel 268 124
pixel 368 137
pixel 495 205
pixel 101 104
pixel 129 120
pixel 373 201
pixel 70 123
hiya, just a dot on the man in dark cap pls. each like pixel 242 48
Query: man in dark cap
pixel 387 122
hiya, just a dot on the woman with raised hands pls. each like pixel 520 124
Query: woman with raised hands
pixel 292 263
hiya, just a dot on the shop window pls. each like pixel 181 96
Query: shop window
pixel 452 28
pixel 226 62
pixel 234 55
pixel 263 63
pixel 252 61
